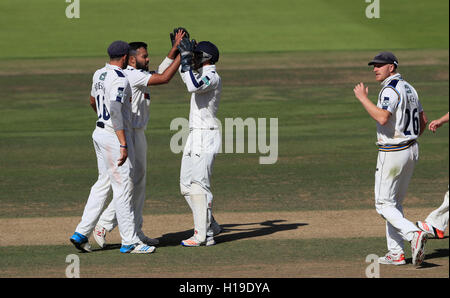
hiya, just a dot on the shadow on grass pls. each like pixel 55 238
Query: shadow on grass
pixel 436 254
pixel 237 232
pixel 109 247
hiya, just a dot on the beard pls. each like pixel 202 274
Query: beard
pixel 125 63
pixel 142 66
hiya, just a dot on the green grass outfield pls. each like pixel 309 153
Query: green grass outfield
pixel 326 155
pixel 41 29
pixel 297 61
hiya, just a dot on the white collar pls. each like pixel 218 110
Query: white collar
pixel 113 66
pixel 390 78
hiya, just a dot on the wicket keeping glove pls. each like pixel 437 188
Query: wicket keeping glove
pixel 186 48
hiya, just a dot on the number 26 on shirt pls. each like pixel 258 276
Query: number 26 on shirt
pixel 412 119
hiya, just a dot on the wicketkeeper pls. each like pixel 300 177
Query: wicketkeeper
pixel 198 71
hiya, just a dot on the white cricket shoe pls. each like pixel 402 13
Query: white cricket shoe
pixel 137 249
pixel 393 259
pixel 210 241
pixel 100 236
pixel 192 242
pixel 418 247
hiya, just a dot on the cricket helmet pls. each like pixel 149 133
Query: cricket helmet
pixel 206 50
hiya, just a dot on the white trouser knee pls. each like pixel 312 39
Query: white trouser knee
pixel 185 191
pixel 395 217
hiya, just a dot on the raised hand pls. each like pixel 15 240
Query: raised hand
pixel 175 32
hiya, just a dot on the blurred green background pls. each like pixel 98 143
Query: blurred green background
pixel 41 29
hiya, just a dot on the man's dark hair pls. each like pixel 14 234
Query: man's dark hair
pixel 115 58
pixel 134 46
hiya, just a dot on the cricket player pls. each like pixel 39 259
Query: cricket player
pixel 437 221
pixel 110 99
pixel 140 80
pixel 198 72
pixel 400 121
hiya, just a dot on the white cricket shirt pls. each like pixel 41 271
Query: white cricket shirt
pixel 110 84
pixel 401 99
pixel 140 96
pixel 141 92
pixel 206 87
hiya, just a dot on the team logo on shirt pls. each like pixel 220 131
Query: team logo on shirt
pixel 99 86
pixel 385 103
pixel 408 90
pixel 205 80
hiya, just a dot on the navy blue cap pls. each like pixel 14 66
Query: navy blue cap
pixel 384 58
pixel 118 48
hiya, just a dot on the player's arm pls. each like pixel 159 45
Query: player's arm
pixel 123 148
pixel 435 124
pixel 117 97
pixel 165 64
pixel 117 122
pixel 170 57
pixel 378 114
pixel 199 84
pixel 92 103
pixel 92 98
pixel 170 64
pixel 175 38
pixel 423 122
pixel 167 75
pixel 173 53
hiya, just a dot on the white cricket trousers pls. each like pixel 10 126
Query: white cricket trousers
pixel 120 179
pixel 438 218
pixel 108 219
pixel 392 176
pixel 202 146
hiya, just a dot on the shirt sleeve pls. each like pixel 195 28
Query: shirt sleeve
pixel 117 91
pixel 389 99
pixel 140 78
pixel 117 96
pixel 116 115
pixel 197 83
pixel 181 74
